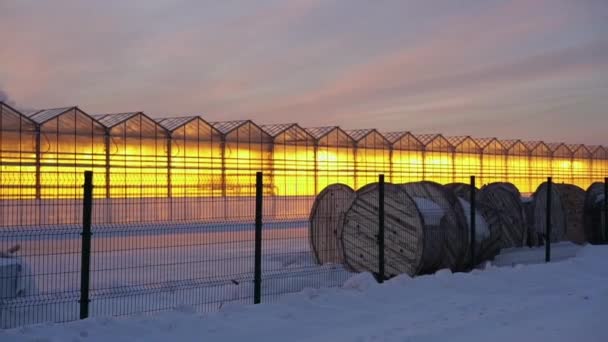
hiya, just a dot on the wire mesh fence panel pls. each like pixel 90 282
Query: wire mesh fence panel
pixel 39 274
pixel 290 262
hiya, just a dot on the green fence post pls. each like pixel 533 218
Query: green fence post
pixel 85 266
pixel 257 291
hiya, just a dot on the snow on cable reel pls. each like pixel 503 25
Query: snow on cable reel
pixel 444 221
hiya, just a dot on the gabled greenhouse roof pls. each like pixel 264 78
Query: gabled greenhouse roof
pixel 464 144
pixel 290 132
pixel 6 110
pixel 362 136
pixel 276 129
pixel 323 134
pixel 538 148
pixel 580 151
pixel 44 115
pixel 394 136
pixel 174 123
pixel 435 142
pixel 398 139
pixel 320 132
pixel 599 151
pixel 491 145
pixel 226 127
pixel 560 150
pixel 111 120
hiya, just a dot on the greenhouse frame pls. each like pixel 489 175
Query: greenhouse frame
pixel 44 154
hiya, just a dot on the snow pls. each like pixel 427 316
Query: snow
pixel 536 255
pixel 559 301
pixel 431 211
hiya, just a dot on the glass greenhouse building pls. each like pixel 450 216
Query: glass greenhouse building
pixel 44 154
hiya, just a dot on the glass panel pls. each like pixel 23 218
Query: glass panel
pixel 439 161
pixel 247 152
pixel 372 158
pixel 518 168
pixel 196 161
pixel 335 160
pixel 17 156
pixel 69 145
pixel 467 161
pixel 138 159
pixel 294 164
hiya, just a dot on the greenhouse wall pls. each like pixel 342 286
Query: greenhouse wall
pixel 581 166
pixel 407 158
pixel 561 163
pixel 518 165
pixel 335 157
pixel 438 158
pixel 195 169
pixel 293 170
pixel 187 169
pixel 467 159
pixel 493 161
pixel 372 156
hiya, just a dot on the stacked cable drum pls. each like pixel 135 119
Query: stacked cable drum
pixel 567 212
pixel 326 222
pixel 428 226
pixel 595 224
pixel 489 222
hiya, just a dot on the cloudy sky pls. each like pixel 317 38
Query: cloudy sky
pixel 529 69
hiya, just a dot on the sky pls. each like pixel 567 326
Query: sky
pixel 529 69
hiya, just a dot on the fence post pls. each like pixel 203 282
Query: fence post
pixel 606 209
pixel 548 224
pixel 257 289
pixel 87 206
pixel 381 228
pixel 473 223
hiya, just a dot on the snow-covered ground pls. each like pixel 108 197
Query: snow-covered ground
pixel 560 301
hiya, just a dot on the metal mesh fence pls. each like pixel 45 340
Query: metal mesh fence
pixel 151 254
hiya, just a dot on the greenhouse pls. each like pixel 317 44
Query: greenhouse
pixel 44 154
pixel 581 165
pixel 293 160
pixel 335 156
pixel 247 150
pixel 70 142
pixel 467 158
pixel 372 155
pixel 407 159
pixel 438 158
pixel 137 156
pixel 493 161
pixel 195 157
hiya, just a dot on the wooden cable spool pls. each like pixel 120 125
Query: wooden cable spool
pixel 405 240
pixel 444 225
pixel 326 219
pixel 489 222
pixel 567 207
pixel 504 199
pixel 595 227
